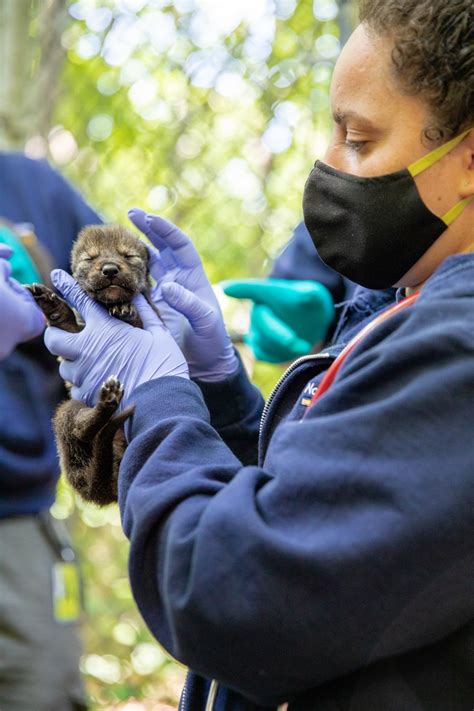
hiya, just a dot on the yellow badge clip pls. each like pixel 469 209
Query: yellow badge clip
pixel 66 592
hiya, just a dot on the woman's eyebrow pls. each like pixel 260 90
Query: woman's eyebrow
pixel 342 117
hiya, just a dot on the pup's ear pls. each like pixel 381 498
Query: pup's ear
pixel 147 260
pixel 148 275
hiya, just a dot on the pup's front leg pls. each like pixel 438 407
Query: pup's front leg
pixel 56 310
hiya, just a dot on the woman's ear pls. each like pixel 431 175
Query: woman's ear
pixel 467 185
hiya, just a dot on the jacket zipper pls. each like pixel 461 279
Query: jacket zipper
pixel 211 697
pixel 182 701
pixel 284 378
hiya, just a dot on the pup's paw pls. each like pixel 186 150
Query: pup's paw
pixel 43 294
pixel 111 393
pixel 53 307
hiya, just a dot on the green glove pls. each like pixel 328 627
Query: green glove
pixel 288 317
pixel 23 268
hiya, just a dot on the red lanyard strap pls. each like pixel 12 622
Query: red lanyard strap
pixel 331 373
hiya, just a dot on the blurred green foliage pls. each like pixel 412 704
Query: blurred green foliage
pixel 121 661
pixel 211 114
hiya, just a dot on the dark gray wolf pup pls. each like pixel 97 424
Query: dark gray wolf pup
pixel 111 265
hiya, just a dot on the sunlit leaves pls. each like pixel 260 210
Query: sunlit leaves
pixel 175 103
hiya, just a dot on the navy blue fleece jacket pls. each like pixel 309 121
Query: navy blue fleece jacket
pixel 337 572
pixel 30 386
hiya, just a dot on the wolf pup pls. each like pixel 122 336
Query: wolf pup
pixel 111 264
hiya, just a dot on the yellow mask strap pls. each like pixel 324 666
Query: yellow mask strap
pixel 427 161
pixel 455 211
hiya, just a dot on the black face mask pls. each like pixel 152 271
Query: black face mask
pixel 373 230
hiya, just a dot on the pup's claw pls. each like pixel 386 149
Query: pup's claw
pixel 124 312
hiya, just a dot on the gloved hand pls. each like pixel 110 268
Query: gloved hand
pixel 288 317
pixel 107 346
pixel 23 267
pixel 182 286
pixel 20 318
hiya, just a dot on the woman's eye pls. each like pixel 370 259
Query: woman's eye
pixel 356 145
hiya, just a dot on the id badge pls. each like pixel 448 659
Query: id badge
pixel 66 592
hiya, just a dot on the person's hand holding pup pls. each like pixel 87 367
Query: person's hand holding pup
pixel 109 347
pixel 182 287
pixel 20 318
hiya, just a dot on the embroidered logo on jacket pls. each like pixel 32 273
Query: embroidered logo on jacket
pixel 308 393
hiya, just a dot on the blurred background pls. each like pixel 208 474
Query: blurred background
pixel 208 112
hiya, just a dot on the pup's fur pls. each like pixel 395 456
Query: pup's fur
pixel 111 265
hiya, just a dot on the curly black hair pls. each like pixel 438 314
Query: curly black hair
pixel 433 56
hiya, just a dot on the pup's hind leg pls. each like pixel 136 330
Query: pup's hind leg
pixel 108 449
pixel 89 420
pixel 85 437
pixel 54 308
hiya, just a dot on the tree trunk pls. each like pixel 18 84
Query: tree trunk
pixel 31 56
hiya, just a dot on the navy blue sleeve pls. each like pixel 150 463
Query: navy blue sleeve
pixel 67 213
pixel 32 191
pixel 73 206
pixel 355 541
pixel 30 386
pixel 235 407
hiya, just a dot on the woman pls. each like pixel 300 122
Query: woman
pixel 333 569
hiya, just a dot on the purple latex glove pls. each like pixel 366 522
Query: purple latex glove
pixel 109 347
pixel 182 286
pixel 20 318
pixel 174 321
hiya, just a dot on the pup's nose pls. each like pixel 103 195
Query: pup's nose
pixel 110 270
